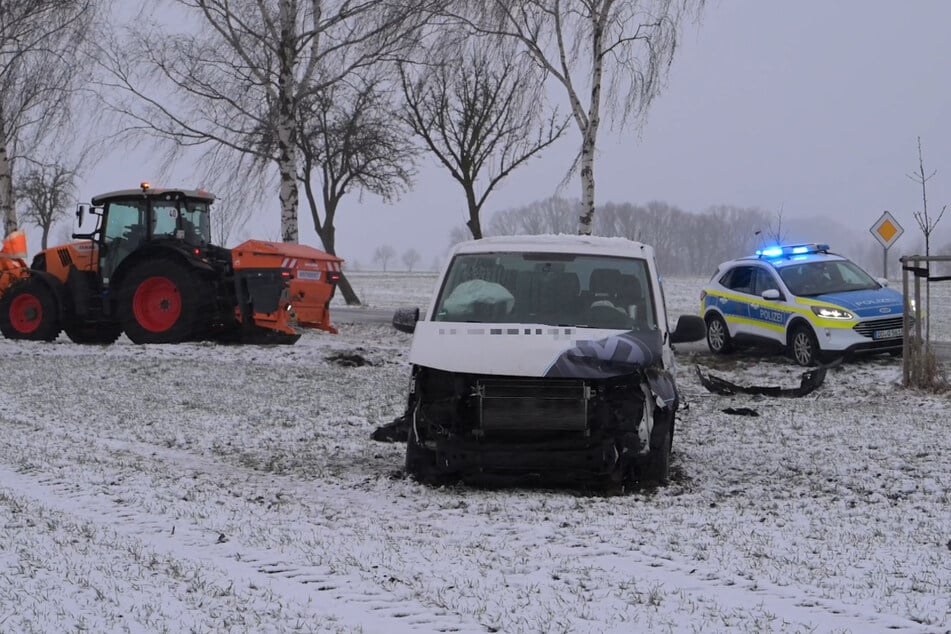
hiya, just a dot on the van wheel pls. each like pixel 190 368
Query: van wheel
pixel 718 335
pixel 803 346
pixel 420 462
pixel 29 310
pixel 656 471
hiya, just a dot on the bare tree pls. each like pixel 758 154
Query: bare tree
pixel 45 194
pixel 383 254
pixel 927 225
pixel 242 83
pixel 41 71
pixel 619 51
pixel 478 115
pixel 774 233
pixel 925 222
pixel 349 140
pixel 551 215
pixel 411 258
pixel 229 214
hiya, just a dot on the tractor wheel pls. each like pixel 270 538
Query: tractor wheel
pixel 29 310
pixel 102 334
pixel 161 302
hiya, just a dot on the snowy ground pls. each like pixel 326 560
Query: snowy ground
pixel 207 488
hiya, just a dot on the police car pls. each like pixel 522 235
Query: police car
pixel 813 303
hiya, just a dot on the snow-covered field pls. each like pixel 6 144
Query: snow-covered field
pixel 205 488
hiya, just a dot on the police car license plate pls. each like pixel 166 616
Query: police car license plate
pixel 308 275
pixel 890 333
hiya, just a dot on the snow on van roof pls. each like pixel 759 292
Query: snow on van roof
pixel 556 243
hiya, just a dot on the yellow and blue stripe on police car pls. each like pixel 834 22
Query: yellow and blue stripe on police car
pixel 743 310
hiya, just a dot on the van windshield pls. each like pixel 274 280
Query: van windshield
pixel 559 289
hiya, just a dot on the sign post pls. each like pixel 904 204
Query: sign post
pixel 886 230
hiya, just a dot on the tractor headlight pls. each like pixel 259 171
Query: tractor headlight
pixel 830 312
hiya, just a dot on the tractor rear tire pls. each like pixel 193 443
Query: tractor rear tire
pixel 161 301
pixel 29 310
pixel 101 334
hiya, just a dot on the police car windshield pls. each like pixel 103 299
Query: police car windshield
pixel 824 277
pixel 559 289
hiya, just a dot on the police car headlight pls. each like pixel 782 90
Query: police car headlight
pixel 828 312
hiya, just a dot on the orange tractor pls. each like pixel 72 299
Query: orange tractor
pixel 149 270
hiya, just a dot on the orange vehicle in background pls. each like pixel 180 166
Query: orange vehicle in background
pixel 149 270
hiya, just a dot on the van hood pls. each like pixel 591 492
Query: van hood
pixel 536 350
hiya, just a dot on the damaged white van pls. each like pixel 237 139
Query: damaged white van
pixel 546 357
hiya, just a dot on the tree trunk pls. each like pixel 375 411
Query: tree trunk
pixel 586 219
pixel 289 194
pixel 475 227
pixel 286 122
pixel 7 205
pixel 349 295
pixel 590 131
pixel 327 234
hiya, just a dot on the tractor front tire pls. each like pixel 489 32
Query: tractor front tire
pixel 161 302
pixel 29 310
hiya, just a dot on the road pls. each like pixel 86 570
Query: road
pixel 349 315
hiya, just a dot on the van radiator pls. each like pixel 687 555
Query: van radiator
pixel 516 404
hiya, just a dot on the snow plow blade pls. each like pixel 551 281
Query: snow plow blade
pixel 309 280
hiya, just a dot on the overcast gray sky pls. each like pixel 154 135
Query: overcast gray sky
pixel 812 105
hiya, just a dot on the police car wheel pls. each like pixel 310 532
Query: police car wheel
pixel 804 347
pixel 718 335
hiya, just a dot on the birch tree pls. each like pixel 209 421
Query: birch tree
pixel 608 58
pixel 41 71
pixel 235 81
pixel 479 115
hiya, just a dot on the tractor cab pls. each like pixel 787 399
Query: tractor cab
pixel 131 218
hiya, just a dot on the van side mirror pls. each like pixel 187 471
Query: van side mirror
pixel 689 328
pixel 404 319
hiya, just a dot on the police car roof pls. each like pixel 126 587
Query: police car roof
pixel 781 261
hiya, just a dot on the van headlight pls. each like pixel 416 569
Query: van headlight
pixel 829 312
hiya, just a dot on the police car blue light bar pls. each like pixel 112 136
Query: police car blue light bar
pixel 791 249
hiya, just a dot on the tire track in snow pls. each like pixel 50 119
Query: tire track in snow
pixel 346 600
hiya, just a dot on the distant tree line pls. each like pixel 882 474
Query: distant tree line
pixel 685 243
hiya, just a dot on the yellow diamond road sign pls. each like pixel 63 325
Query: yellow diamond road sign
pixel 886 230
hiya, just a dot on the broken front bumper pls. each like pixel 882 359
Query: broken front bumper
pixel 568 459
